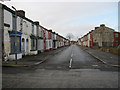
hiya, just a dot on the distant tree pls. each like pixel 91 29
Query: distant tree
pixel 70 36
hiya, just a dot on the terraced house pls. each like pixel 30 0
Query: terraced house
pixel 101 37
pixel 25 36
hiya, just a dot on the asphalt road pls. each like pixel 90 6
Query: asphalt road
pixel 69 68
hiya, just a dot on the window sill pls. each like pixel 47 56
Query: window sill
pixel 33 50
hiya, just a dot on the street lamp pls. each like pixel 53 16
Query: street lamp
pixel 15 34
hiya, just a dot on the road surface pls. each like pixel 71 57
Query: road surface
pixel 69 68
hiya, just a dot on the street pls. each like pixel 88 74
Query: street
pixel 69 68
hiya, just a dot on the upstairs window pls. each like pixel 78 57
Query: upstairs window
pixel 32 28
pixel 21 24
pixel 13 22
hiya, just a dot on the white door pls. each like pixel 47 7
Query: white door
pixel 27 46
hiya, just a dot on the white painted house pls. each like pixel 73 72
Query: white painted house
pixel 9 34
pixel 26 40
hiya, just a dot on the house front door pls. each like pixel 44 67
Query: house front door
pixel 27 46
pixel 23 46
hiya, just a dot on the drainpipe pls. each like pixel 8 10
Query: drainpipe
pixel 1 42
pixel 2 32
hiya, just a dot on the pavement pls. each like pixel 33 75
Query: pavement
pixel 105 57
pixel 32 60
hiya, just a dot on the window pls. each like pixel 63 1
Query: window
pixel 46 44
pixel 21 24
pixel 18 44
pixel 116 35
pixel 95 43
pixel 42 33
pixel 23 45
pixel 32 28
pixel 33 44
pixel 39 32
pixel 15 43
pixel 13 22
pixel 12 40
pixel 49 43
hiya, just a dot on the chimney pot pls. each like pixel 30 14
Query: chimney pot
pixel 21 12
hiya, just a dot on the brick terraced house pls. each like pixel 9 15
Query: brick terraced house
pixel 100 37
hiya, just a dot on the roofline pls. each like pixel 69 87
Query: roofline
pixel 13 12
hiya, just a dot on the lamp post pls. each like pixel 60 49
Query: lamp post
pixel 15 34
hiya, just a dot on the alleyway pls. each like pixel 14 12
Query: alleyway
pixel 69 68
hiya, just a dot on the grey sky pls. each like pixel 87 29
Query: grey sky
pixel 77 18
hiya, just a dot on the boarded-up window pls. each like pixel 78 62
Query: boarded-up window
pixel 13 22
pixel 95 43
pixel 33 44
pixel 46 44
pixel 49 43
pixel 32 28
pixel 107 44
pixel 12 40
pixel 116 35
pixel 18 46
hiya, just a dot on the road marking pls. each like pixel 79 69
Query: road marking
pixel 71 55
pixel 70 63
pixel 94 65
pixel 115 65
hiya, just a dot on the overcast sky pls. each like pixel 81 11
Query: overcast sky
pixel 77 18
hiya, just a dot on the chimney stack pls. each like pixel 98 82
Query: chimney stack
pixel 50 30
pixel 21 12
pixel 102 25
pixel 96 28
pixel 36 22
